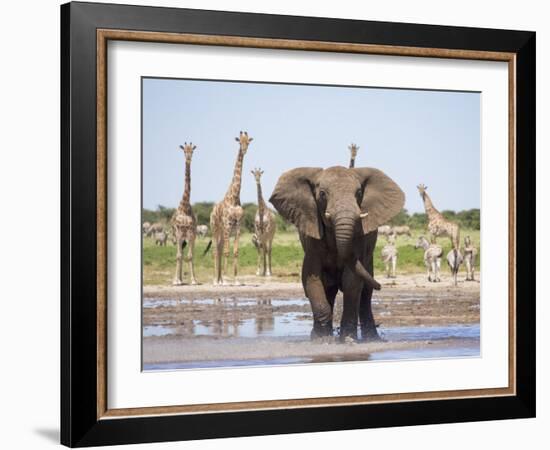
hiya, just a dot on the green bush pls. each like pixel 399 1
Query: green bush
pixel 466 219
pixel 469 218
pixel 202 211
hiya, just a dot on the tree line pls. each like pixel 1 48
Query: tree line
pixel 202 212
pixel 466 219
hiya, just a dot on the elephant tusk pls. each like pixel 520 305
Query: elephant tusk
pixel 362 272
pixel 363 215
pixel 327 215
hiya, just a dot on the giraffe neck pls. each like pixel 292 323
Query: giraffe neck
pixel 234 192
pixel 352 163
pixel 431 211
pixel 261 204
pixel 185 200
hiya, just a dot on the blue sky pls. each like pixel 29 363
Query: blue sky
pixel 428 137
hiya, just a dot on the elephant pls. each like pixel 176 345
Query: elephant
pixel 337 212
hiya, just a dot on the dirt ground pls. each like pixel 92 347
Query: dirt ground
pixel 394 305
pixel 407 300
pixel 261 286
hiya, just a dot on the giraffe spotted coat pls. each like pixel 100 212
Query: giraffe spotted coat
pixel 226 217
pixel 437 224
pixel 264 230
pixel 184 223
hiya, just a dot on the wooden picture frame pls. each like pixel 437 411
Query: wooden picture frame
pixel 85 416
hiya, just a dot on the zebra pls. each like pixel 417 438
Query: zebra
pixel 432 258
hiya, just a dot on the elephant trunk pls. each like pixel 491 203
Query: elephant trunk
pixel 345 227
pixel 367 277
pixel 344 230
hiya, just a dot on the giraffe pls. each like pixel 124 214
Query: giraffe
pixel 437 224
pixel 264 229
pixel 226 216
pixel 184 223
pixel 353 150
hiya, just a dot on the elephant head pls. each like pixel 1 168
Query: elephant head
pixel 343 203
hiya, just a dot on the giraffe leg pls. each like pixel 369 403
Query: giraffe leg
pixel 215 256
pixel 236 255
pixel 179 256
pixel 258 270
pixel 216 251
pixel 225 257
pixel 269 248
pixel 190 258
pixel 264 246
pixel 219 259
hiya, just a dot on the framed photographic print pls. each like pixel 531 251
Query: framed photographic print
pixel 277 224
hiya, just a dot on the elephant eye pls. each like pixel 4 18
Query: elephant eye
pixel 359 195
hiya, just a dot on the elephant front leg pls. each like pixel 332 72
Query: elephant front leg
pixel 366 318
pixel 352 286
pixel 315 292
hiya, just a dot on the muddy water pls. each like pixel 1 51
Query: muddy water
pixel 226 332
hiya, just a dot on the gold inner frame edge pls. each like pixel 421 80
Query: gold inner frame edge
pixel 103 36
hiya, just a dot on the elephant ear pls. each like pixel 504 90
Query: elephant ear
pixel 382 197
pixel 293 198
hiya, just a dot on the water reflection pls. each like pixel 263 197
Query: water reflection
pixel 276 324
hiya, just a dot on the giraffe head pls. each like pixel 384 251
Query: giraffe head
pixel 422 189
pixel 188 150
pixel 244 141
pixel 257 174
pixel 353 149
